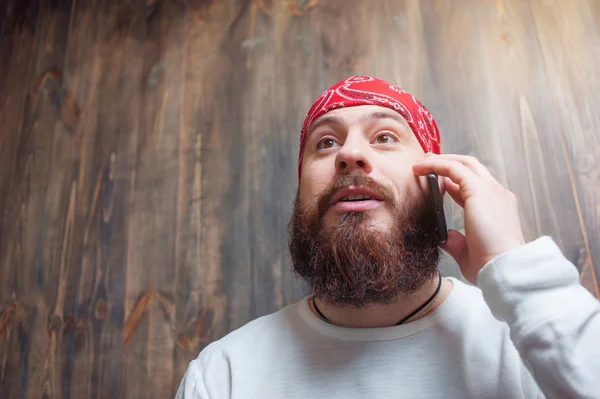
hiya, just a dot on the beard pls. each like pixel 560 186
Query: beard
pixel 353 263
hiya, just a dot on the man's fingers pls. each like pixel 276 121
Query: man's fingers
pixel 454 190
pixel 456 171
pixel 467 160
pixel 456 246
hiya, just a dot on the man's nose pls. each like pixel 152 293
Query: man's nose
pixel 351 157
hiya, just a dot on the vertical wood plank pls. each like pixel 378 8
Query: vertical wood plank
pixel 5 9
pixel 259 114
pixel 18 47
pixel 151 268
pixel 200 300
pixel 111 144
pixel 92 320
pixel 235 264
pixel 42 195
pixel 59 198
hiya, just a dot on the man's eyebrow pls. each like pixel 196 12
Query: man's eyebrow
pixel 326 120
pixel 378 115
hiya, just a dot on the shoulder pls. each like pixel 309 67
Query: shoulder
pixel 211 371
pixel 251 336
pixel 467 292
pixel 472 310
pixel 476 330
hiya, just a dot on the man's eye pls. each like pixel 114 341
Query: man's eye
pixel 325 143
pixel 384 139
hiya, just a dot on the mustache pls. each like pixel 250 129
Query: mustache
pixel 358 180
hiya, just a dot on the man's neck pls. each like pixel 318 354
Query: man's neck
pixel 385 316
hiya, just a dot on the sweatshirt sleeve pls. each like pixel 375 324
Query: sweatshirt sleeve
pixel 554 321
pixel 208 376
pixel 192 386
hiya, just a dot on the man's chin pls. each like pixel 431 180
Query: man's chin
pixel 368 219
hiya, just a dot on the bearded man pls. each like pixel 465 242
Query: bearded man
pixel 380 321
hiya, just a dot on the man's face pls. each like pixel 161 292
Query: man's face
pixel 363 230
pixel 364 140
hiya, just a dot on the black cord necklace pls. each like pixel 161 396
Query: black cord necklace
pixel 431 298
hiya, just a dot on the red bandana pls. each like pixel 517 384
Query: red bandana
pixel 366 90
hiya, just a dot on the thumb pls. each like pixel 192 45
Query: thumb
pixel 456 246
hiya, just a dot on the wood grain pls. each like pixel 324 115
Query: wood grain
pixel 40 195
pixel 200 299
pixel 17 47
pixel 501 60
pixel 153 217
pixel 148 157
pixel 572 70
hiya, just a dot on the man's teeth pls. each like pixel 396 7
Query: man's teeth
pixel 356 197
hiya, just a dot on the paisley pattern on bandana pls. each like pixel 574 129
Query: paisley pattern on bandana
pixel 367 90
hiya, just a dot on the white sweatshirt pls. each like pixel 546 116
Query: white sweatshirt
pixel 460 350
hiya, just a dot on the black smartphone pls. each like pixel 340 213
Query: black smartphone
pixel 438 207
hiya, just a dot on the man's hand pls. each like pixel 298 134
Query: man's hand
pixel 492 224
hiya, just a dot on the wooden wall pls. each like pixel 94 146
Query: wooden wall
pixel 148 158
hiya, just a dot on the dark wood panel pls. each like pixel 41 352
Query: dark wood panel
pixel 567 34
pixel 111 142
pixel 5 10
pixel 148 155
pixel 200 297
pixel 95 313
pixel 151 236
pixel 39 215
pixel 18 52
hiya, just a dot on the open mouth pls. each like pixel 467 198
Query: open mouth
pixel 355 199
